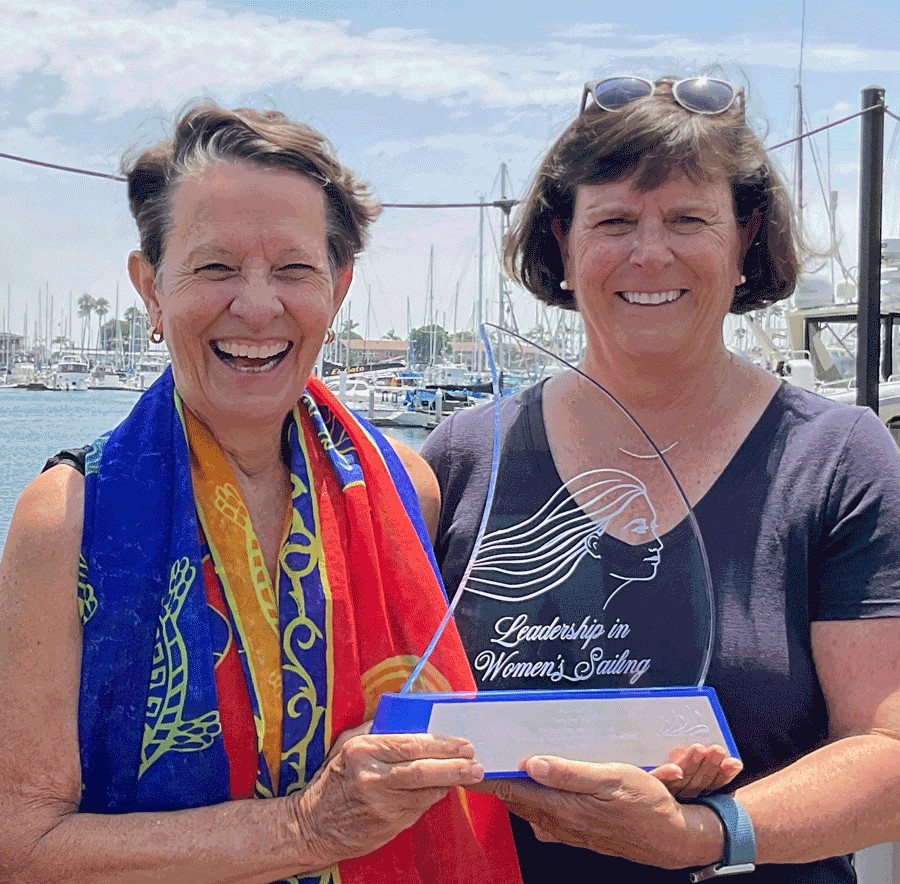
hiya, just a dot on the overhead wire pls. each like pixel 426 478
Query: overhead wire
pixel 500 203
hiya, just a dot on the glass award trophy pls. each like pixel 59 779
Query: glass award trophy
pixel 586 607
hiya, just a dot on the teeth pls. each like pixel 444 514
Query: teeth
pixel 652 297
pixel 252 351
pixel 256 369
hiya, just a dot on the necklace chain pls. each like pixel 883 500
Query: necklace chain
pixel 712 402
pixel 665 450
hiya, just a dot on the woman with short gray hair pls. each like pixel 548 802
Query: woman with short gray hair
pixel 202 608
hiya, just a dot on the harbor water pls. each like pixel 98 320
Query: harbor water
pixel 35 425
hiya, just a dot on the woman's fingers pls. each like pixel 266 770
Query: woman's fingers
pixel 583 777
pixel 670 774
pixel 409 761
pixel 428 773
pixel 397 748
pixel 730 768
pixel 358 731
pixel 704 769
pixel 376 785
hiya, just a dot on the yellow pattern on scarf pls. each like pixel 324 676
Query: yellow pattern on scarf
pixel 245 581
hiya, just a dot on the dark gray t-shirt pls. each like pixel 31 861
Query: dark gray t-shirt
pixel 799 527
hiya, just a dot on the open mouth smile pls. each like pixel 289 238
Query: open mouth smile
pixel 652 298
pixel 252 357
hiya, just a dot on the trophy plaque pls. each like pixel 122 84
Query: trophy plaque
pixel 586 608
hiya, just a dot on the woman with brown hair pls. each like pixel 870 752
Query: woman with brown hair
pixel 655 214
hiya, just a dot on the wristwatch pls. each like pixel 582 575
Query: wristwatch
pixel 739 855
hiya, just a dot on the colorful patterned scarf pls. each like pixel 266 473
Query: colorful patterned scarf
pixel 320 646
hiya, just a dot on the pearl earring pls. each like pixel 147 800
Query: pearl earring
pixel 743 279
pixel 564 285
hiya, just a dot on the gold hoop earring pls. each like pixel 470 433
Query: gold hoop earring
pixel 330 336
pixel 156 336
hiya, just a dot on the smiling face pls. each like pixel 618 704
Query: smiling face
pixel 245 292
pixel 653 272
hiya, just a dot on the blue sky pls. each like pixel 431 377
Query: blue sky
pixel 423 99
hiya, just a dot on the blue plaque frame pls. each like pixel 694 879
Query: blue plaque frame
pixel 411 713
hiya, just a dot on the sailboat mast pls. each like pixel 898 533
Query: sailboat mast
pixel 8 326
pixel 832 209
pixel 368 311
pixel 430 307
pixel 501 291
pixel 799 181
pixel 479 304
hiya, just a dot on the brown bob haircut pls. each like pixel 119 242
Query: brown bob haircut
pixel 206 134
pixel 649 139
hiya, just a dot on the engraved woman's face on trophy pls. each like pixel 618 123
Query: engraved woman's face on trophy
pixel 537 555
pixel 635 524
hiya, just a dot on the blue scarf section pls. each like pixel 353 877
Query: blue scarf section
pixel 150 736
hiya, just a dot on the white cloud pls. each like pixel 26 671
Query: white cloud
pixel 102 61
pixel 584 30
pixel 122 55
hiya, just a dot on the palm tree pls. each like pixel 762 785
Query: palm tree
pixel 348 329
pixel 391 335
pixel 101 308
pixel 85 309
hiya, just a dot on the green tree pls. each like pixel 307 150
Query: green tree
pixel 391 335
pixel 428 344
pixel 348 330
pixel 113 333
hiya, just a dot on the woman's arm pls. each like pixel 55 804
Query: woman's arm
pixel 425 482
pixel 846 795
pixel 840 798
pixel 371 789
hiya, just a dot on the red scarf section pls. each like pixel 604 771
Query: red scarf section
pixel 386 605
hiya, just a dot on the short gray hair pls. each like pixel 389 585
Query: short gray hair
pixel 207 134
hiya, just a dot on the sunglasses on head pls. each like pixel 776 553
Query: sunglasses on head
pixel 699 95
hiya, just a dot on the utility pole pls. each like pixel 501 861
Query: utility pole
pixel 868 318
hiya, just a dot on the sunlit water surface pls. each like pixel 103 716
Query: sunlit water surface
pixel 35 425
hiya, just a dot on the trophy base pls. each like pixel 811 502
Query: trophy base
pixel 635 726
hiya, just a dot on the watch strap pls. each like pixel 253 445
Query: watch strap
pixel 739 853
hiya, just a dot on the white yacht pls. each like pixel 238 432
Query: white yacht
pixel 105 377
pixel 70 373
pixel 353 392
pixel 146 371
